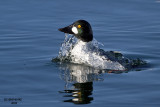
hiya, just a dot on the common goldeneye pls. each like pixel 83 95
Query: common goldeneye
pixel 84 50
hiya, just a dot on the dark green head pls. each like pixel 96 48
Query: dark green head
pixel 81 29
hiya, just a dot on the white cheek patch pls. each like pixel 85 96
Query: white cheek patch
pixel 75 30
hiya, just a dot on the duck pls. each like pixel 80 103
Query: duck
pixel 85 52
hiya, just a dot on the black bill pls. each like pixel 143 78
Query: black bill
pixel 67 29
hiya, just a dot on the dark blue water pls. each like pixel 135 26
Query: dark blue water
pixel 29 39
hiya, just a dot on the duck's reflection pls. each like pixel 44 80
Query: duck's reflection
pixel 81 94
pixel 79 82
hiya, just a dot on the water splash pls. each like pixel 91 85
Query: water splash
pixel 66 47
pixel 75 51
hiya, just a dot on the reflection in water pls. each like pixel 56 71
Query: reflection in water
pixel 79 82
pixel 79 73
pixel 80 94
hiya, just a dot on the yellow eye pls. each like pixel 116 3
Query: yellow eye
pixel 79 26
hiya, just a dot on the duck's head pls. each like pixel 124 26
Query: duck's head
pixel 80 29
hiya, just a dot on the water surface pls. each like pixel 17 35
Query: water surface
pixel 29 39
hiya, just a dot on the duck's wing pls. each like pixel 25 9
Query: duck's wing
pixel 119 57
pixel 116 57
